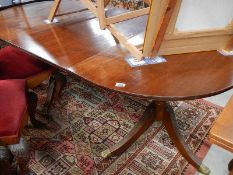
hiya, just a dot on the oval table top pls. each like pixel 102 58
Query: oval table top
pixel 77 44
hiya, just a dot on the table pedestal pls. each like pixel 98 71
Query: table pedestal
pixel 160 111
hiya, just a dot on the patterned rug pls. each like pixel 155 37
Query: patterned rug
pixel 128 4
pixel 88 120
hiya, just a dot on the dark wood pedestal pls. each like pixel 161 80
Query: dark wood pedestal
pixel 160 111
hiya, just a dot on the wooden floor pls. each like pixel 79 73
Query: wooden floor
pixel 78 45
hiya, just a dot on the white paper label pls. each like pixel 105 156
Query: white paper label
pixel 120 84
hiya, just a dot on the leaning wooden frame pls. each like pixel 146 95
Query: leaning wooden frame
pixel 98 9
pixel 161 36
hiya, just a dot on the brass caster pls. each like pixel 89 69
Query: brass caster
pixel 204 169
pixel 106 153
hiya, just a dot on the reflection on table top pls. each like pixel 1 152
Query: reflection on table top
pixel 78 45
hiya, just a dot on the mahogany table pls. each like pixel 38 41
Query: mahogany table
pixel 77 45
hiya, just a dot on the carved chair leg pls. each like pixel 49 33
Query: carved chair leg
pixel 21 153
pixel 5 161
pixel 32 104
pixel 171 125
pixel 57 83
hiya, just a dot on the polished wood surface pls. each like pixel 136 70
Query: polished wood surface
pixel 77 44
pixel 182 77
pixel 221 133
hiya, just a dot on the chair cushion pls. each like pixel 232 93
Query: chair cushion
pixel 13 106
pixel 16 64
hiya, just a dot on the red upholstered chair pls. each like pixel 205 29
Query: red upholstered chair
pixel 16 104
pixel 17 64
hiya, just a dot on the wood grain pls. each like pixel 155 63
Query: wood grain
pixel 79 46
pixel 221 132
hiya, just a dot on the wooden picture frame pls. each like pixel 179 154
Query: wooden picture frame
pixel 161 36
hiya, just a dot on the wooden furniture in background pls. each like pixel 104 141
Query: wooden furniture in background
pixel 78 46
pixel 161 36
pixel 222 131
